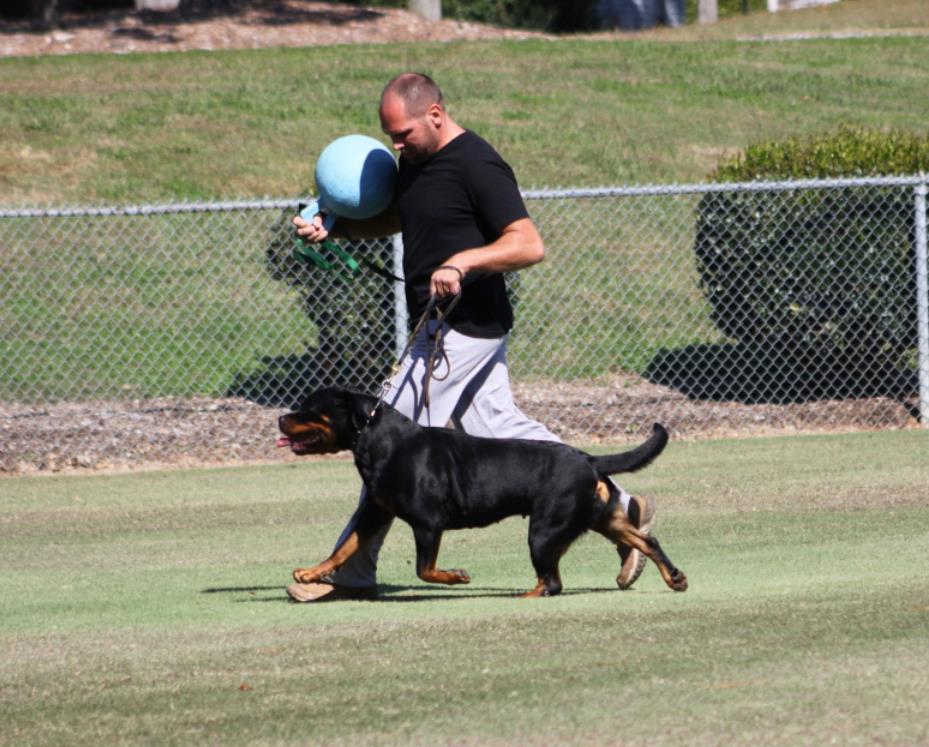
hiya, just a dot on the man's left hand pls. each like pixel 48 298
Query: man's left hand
pixel 446 281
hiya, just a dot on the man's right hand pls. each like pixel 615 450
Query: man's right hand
pixel 312 232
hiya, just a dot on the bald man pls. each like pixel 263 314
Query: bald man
pixel 464 223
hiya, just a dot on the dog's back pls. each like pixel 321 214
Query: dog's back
pixel 458 480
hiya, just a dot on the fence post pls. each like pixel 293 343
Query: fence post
pixel 401 325
pixel 922 303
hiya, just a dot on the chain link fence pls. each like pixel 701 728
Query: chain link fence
pixel 712 308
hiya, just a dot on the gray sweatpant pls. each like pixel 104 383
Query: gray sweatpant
pixel 473 392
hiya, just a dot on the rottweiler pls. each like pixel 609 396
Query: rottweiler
pixel 439 478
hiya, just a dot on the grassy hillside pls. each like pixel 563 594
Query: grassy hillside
pixel 570 112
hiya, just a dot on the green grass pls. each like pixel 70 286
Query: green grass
pixel 149 608
pixel 142 306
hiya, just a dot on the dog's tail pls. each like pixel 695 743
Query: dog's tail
pixel 630 461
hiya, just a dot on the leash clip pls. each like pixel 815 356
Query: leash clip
pixel 385 387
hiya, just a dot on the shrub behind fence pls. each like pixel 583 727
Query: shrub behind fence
pixel 784 295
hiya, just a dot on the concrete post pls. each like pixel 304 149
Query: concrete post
pixel 707 11
pixel 431 10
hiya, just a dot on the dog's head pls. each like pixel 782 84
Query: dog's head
pixel 327 421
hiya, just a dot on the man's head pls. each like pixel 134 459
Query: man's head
pixel 413 116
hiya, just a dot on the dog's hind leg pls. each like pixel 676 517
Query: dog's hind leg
pixel 617 528
pixel 427 552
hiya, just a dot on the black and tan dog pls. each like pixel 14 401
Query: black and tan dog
pixel 437 479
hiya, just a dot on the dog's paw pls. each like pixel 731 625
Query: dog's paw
pixel 461 575
pixel 679 581
pixel 453 576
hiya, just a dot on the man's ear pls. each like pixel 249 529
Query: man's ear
pixel 435 115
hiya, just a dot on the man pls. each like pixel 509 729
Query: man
pixel 464 223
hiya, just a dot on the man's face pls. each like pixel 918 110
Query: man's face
pixel 415 137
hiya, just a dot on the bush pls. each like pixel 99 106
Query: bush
pixel 548 15
pixel 824 277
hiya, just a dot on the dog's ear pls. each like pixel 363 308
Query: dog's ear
pixel 362 411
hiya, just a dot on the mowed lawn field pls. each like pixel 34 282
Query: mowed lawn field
pixel 150 608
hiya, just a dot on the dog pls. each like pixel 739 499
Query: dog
pixel 437 479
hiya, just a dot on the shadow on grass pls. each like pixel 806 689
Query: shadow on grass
pixel 756 374
pixel 392 593
pixel 253 12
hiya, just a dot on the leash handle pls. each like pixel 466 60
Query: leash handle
pixel 316 207
pixel 304 252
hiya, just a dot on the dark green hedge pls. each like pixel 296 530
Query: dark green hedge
pixel 822 275
pixel 555 16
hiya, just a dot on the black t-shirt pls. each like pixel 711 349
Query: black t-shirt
pixel 462 197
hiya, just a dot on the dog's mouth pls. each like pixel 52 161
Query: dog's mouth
pixel 306 444
pixel 306 438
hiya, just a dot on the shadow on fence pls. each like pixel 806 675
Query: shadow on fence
pixel 755 374
pixel 283 381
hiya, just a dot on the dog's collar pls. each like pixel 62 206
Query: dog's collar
pixel 368 418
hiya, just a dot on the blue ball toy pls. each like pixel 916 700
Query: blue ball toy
pixel 355 177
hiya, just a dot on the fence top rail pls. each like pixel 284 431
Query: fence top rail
pixel 532 194
pixel 152 209
pixel 758 186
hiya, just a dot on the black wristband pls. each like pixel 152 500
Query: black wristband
pixel 452 267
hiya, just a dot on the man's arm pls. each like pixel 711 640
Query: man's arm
pixel 383 224
pixel 519 246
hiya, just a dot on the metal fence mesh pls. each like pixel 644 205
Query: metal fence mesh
pixel 711 308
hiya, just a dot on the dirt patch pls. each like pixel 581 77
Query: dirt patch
pixel 168 432
pixel 249 24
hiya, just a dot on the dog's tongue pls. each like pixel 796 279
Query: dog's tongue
pixel 282 442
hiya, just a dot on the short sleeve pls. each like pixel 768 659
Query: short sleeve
pixel 495 192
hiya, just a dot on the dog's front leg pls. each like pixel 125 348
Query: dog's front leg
pixel 368 520
pixel 427 551
pixel 335 561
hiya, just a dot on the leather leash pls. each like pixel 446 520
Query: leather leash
pixel 436 352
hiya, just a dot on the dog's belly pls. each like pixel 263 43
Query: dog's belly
pixel 482 519
pixel 457 513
